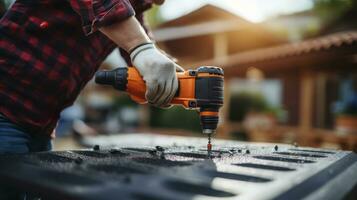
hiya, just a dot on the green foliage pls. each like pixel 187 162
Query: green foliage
pixel 240 135
pixel 349 109
pixel 331 9
pixel 153 16
pixel 124 101
pixel 175 117
pixel 244 102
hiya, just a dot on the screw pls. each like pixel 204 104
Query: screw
pixel 296 144
pixel 247 151
pixel 192 104
pixel 231 152
pixel 276 147
pixel 152 152
pixel 114 151
pixel 159 148
pixel 192 73
pixel 96 147
pixel 78 160
pixel 162 156
pixel 239 150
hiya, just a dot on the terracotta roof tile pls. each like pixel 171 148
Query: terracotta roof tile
pixel 295 49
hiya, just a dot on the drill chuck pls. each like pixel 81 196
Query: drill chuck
pixel 116 78
pixel 209 124
pixel 208 131
pixel 105 78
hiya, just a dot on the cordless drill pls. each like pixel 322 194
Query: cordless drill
pixel 200 89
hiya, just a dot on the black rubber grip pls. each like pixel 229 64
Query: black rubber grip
pixel 118 78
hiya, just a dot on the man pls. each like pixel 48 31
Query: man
pixel 50 49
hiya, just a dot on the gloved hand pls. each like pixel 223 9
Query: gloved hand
pixel 158 72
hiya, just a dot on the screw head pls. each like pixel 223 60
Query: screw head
pixel 192 73
pixel 153 152
pixel 160 148
pixel 114 151
pixel 96 147
pixel 276 148
pixel 192 104
pixel 78 160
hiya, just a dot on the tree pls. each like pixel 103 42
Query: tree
pixel 330 10
pixel 153 16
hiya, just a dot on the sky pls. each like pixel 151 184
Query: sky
pixel 252 10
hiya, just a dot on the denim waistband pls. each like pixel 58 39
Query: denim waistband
pixel 3 118
pixel 14 139
pixel 9 123
pixel 4 121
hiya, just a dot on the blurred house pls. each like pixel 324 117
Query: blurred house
pixel 311 71
pixel 295 26
pixel 315 74
pixel 211 32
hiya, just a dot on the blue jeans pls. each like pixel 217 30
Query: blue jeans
pixel 15 140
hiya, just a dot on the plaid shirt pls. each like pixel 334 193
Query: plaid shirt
pixel 49 50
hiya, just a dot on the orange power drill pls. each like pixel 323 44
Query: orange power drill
pixel 200 89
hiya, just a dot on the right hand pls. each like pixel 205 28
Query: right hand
pixel 158 72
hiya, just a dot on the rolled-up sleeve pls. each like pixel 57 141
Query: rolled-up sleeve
pixel 97 13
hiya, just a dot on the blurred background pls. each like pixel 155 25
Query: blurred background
pixel 290 73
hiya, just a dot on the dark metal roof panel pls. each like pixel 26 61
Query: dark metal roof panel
pixel 180 169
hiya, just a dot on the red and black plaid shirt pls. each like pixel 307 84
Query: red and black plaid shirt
pixel 49 50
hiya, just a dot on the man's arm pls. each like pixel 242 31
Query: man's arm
pixel 126 34
pixel 158 71
pixel 115 19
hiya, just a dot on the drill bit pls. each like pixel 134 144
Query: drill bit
pixel 209 145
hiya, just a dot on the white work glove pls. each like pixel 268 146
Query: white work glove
pixel 158 72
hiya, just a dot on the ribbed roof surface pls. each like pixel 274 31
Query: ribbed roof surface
pixel 298 48
pixel 332 43
pixel 179 168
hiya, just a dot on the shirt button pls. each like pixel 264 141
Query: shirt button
pixel 44 25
